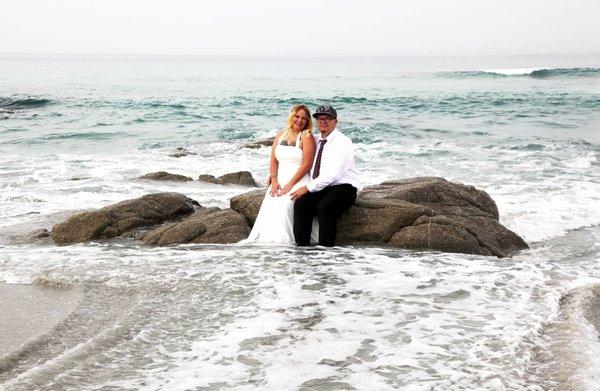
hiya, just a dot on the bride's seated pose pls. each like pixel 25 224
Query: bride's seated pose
pixel 292 156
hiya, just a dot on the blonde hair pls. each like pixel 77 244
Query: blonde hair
pixel 290 120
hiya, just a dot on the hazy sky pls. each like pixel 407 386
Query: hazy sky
pixel 303 28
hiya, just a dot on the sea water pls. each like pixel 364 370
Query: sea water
pixel 76 132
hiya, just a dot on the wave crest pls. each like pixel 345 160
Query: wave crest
pixel 539 72
pixel 23 103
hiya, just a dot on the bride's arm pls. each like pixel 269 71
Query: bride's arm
pixel 308 154
pixel 275 188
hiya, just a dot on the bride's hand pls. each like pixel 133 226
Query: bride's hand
pixel 286 189
pixel 275 189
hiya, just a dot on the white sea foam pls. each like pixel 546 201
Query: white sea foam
pixel 514 71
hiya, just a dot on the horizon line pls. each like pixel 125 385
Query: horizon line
pixel 297 56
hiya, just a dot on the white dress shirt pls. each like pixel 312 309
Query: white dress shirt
pixel 337 163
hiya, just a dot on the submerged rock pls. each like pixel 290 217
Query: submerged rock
pixel 37 235
pixel 115 220
pixel 418 213
pixel 181 152
pixel 243 178
pixel 165 176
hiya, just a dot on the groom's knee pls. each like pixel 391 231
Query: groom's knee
pixel 301 203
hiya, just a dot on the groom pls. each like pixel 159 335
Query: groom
pixel 333 187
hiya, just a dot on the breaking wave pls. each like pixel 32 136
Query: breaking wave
pixel 22 103
pixel 538 72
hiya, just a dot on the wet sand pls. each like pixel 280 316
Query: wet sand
pixel 31 311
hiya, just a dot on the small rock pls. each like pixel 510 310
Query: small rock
pixel 208 178
pixel 238 178
pixel 181 151
pixel 259 143
pixel 32 236
pixel 243 178
pixel 165 176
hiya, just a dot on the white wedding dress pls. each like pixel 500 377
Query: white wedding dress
pixel 275 221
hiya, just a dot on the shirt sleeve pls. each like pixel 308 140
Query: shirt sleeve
pixel 338 162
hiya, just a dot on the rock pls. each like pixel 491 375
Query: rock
pixel 206 225
pixel 267 142
pixel 181 152
pixel 115 220
pixel 38 234
pixel 248 204
pixel 165 176
pixel 243 178
pixel 33 236
pixel 418 213
pixel 238 178
pixel 208 178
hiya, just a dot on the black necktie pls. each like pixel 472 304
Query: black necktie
pixel 317 168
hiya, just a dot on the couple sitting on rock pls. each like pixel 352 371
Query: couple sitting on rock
pixel 310 176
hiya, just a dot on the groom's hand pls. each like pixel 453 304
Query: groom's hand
pixel 299 193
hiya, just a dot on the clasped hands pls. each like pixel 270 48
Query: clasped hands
pixel 277 191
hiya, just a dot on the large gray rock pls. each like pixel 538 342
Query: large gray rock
pixel 165 176
pixel 418 213
pixel 243 178
pixel 206 225
pixel 117 219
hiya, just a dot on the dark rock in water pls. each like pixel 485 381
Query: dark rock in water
pixel 165 176
pixel 208 178
pixel 259 143
pixel 32 236
pixel 115 220
pixel 38 233
pixel 417 213
pixel 181 152
pixel 238 178
pixel 206 225
pixel 243 178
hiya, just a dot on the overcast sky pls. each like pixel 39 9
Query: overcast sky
pixel 303 28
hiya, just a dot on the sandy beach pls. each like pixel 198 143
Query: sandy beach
pixel 29 312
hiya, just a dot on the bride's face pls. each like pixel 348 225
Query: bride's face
pixel 300 120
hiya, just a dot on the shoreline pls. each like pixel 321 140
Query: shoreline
pixel 31 311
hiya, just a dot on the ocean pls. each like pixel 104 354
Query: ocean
pixel 76 132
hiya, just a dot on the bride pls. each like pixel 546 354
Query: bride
pixel 292 156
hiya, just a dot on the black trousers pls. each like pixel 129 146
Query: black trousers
pixel 328 205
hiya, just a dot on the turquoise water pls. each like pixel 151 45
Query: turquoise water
pixel 75 132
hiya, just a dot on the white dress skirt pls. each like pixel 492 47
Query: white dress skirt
pixel 275 221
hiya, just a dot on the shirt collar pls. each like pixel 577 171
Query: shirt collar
pixel 331 136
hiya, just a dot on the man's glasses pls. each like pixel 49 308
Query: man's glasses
pixel 324 119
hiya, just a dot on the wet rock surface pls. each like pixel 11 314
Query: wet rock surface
pixel 243 178
pixel 115 220
pixel 165 176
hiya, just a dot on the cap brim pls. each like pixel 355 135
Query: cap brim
pixel 315 115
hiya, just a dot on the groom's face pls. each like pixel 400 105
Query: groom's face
pixel 326 124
